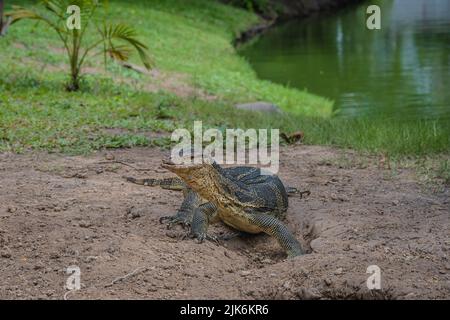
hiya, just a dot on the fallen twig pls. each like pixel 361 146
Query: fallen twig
pixel 135 272
pixel 125 164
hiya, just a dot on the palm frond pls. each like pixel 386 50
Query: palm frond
pixel 120 52
pixel 127 35
pixel 56 6
pixel 19 13
pixel 118 40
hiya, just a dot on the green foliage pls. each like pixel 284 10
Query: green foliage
pixel 252 5
pixel 54 14
pixel 192 38
pixel 189 38
pixel 443 171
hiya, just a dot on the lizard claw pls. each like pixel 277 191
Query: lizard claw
pixel 200 237
pixel 214 239
pixel 173 220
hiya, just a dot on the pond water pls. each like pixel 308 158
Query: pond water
pixel 402 70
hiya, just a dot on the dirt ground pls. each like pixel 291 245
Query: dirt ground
pixel 57 211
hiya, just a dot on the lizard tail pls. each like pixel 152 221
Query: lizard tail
pixel 167 183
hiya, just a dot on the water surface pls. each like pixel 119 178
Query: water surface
pixel 402 70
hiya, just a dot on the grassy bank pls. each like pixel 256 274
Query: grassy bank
pixel 190 42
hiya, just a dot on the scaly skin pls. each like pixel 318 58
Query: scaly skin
pixel 240 197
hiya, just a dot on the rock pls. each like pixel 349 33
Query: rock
pixel 134 213
pixel 287 285
pixel 447 286
pixel 250 293
pixel 11 209
pixel 90 259
pixel 259 106
pixel 5 253
pixel 317 244
pixel 111 250
pixel 338 271
pixel 245 273
pixel 172 234
pixel 308 294
pixel 85 224
pixel 190 273
pixel 410 296
pixel 38 266
pixel 339 197
pixel 109 156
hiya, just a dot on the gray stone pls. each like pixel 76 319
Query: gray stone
pixel 260 106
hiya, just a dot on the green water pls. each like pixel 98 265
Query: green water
pixel 402 70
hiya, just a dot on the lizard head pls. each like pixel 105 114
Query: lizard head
pixel 201 177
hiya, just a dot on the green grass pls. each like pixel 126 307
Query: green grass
pixel 193 38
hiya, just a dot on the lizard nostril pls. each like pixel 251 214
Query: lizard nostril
pixel 168 161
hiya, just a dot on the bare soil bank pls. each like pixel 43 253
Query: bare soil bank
pixel 57 211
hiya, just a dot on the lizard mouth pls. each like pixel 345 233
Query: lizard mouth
pixel 167 162
pixel 177 167
pixel 169 165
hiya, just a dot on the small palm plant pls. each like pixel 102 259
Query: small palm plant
pixel 115 40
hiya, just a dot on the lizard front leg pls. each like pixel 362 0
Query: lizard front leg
pixel 184 215
pixel 274 227
pixel 203 215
